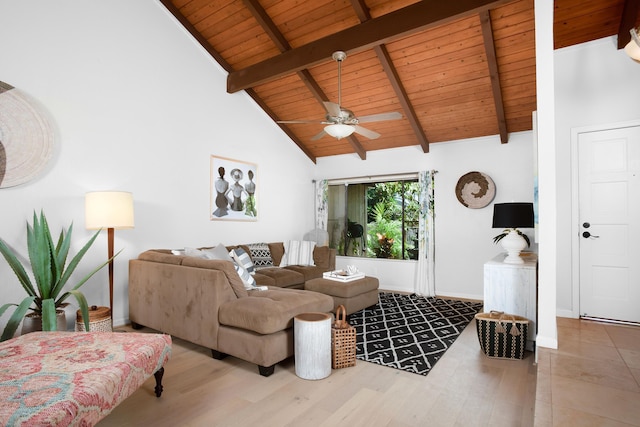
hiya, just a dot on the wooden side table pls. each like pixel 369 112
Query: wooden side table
pixel 512 288
pixel 312 341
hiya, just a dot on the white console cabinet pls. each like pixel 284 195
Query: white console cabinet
pixel 512 288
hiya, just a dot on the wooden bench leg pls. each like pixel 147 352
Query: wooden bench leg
pixel 158 374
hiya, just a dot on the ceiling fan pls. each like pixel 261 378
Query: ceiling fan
pixel 341 122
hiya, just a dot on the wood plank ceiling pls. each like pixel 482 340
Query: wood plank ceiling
pixel 453 69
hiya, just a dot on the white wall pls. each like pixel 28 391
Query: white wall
pixel 596 84
pixel 464 237
pixel 138 106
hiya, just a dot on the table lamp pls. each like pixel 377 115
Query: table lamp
pixel 512 216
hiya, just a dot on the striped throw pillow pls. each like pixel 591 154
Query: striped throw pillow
pixel 298 252
pixel 242 258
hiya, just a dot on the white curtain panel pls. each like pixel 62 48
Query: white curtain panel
pixel 319 234
pixel 425 274
pixel 322 204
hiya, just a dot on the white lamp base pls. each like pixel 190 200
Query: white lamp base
pixel 513 243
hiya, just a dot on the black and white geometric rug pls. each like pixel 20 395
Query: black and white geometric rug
pixel 410 332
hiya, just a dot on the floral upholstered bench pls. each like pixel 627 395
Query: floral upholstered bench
pixel 75 378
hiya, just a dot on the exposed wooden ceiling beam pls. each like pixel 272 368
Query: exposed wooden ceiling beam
pixel 224 64
pixel 400 23
pixel 627 21
pixel 394 79
pixel 403 98
pixel 490 51
pixel 283 45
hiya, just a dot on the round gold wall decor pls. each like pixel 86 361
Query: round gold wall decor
pixel 26 137
pixel 475 190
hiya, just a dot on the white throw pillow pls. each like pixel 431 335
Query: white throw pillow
pixel 219 252
pixel 195 253
pixel 298 252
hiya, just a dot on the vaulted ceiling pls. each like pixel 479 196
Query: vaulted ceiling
pixel 453 69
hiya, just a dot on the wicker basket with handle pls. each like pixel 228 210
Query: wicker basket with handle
pixel 343 341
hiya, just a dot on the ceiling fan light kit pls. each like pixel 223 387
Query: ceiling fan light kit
pixel 339 131
pixel 341 122
pixel 633 47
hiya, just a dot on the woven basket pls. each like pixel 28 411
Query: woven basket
pixel 99 320
pixel 501 335
pixel 343 341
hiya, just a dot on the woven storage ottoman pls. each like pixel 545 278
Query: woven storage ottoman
pixel 354 295
pixel 99 320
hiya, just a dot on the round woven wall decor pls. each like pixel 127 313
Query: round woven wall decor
pixel 475 190
pixel 26 137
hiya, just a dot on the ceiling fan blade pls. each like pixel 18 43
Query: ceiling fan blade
pixel 297 121
pixel 318 136
pixel 366 132
pixel 332 108
pixel 380 117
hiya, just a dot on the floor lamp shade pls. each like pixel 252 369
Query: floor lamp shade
pixel 109 209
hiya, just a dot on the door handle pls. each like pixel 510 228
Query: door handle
pixel 586 235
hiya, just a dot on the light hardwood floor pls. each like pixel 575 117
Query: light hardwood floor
pixel 592 379
pixel 465 388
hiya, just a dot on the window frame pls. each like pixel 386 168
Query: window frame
pixel 343 244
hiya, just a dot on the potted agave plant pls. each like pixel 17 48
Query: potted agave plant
pixel 50 273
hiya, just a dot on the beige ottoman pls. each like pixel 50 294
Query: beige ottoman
pixel 354 295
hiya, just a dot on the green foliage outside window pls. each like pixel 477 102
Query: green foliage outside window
pixel 389 212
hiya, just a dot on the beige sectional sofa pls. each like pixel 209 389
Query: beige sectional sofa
pixel 205 302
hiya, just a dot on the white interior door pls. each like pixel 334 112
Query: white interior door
pixel 609 215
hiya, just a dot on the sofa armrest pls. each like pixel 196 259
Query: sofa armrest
pixel 179 300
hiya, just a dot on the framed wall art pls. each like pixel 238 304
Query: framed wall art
pixel 233 190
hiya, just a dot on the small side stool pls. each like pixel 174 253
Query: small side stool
pixel 312 341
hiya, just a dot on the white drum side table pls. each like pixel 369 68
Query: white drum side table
pixel 312 343
pixel 513 288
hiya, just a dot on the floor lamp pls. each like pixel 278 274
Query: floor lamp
pixel 110 210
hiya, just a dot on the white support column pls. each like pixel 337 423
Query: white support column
pixel 547 328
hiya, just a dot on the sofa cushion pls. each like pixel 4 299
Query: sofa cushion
pixel 264 280
pixel 322 257
pixel 260 254
pixel 225 266
pixel 298 252
pixel 266 312
pixel 283 277
pixel 277 250
pixel 309 272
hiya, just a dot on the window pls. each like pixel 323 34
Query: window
pixel 376 219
